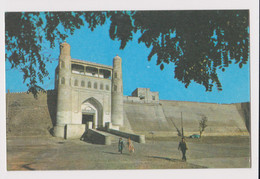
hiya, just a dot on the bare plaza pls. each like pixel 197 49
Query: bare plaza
pixel 49 153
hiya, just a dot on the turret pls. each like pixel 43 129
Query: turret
pixel 117 93
pixel 63 116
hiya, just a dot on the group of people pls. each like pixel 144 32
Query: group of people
pixel 129 145
pixel 182 146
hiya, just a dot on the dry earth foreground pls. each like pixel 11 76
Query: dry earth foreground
pixel 49 153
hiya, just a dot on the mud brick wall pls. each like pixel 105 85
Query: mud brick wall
pixel 164 118
pixel 29 116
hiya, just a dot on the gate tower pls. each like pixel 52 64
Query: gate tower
pixel 64 91
pixel 117 93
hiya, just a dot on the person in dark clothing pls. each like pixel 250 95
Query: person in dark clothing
pixel 183 147
pixel 120 145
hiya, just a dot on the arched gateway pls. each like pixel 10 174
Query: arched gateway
pixel 92 111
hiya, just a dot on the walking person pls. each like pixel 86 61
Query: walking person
pixel 183 147
pixel 130 146
pixel 120 145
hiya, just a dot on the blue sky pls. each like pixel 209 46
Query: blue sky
pixel 138 72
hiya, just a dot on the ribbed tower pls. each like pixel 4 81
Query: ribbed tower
pixel 117 93
pixel 64 91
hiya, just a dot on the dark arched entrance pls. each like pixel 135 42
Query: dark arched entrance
pixel 92 111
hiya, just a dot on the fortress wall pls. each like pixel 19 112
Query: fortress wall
pixel 162 119
pixel 29 116
pixel 146 118
pixel 244 111
pixel 224 119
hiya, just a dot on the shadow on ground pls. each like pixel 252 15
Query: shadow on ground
pixel 26 166
pixel 177 160
pixel 114 153
pixel 165 158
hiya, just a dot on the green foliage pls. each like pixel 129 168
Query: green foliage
pixel 199 43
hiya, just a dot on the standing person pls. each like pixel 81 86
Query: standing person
pixel 120 145
pixel 183 147
pixel 130 145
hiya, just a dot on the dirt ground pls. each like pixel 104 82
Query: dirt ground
pixel 49 153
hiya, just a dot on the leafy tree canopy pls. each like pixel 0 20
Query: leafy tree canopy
pixel 199 43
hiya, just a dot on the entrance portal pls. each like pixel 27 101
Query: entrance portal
pixel 92 111
pixel 88 118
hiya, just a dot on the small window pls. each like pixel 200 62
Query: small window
pixel 101 86
pixel 76 83
pixel 142 97
pixel 89 84
pixel 63 80
pixel 62 64
pixel 82 83
pixel 107 87
pixel 153 97
pixel 115 75
pixel 95 85
pixel 115 88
